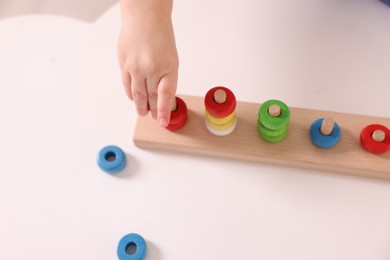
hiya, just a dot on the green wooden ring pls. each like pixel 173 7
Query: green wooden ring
pixel 274 123
pixel 273 139
pixel 268 132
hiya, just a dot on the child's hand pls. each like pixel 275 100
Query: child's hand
pixel 149 63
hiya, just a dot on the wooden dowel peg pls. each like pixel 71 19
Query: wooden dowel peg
pixel 378 136
pixel 220 96
pixel 327 126
pixel 274 110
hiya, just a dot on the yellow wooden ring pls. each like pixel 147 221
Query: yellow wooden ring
pixel 220 120
pixel 222 127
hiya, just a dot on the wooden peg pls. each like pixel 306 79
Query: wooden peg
pixel 174 105
pixel 274 110
pixel 327 126
pixel 378 136
pixel 220 96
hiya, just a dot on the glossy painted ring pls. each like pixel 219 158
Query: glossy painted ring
pixel 372 146
pixel 273 139
pixel 223 127
pixel 178 126
pixel 178 117
pixel 134 242
pixel 221 132
pixel 324 141
pixel 219 120
pixel 274 123
pixel 271 133
pixel 220 110
pixel 111 159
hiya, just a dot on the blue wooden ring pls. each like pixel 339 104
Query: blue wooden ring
pixel 324 141
pixel 111 159
pixel 386 2
pixel 133 240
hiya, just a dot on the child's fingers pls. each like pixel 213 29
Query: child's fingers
pixel 140 97
pixel 151 87
pixel 166 93
pixel 126 80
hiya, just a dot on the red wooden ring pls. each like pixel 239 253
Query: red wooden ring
pixel 179 116
pixel 178 126
pixel 220 110
pixel 372 146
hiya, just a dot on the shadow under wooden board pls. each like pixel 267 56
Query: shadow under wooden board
pixel 297 150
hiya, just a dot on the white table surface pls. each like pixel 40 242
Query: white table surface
pixel 61 100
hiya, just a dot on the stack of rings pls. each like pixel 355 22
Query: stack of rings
pixel 179 116
pixel 375 138
pixel 220 105
pixel 273 126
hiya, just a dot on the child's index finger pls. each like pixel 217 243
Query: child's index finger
pixel 166 96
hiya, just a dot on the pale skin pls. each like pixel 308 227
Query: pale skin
pixel 148 57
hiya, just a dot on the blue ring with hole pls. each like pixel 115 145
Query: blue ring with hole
pixel 324 141
pixel 132 239
pixel 111 159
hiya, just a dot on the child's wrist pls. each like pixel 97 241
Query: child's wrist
pixel 146 8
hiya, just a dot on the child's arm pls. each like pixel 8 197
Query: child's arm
pixel 148 57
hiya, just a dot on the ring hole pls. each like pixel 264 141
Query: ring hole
pixel 131 248
pixel 110 156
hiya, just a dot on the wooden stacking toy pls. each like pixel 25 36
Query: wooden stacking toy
pixel 362 150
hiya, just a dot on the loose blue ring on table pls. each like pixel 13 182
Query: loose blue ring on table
pixel 111 159
pixel 131 247
pixel 386 1
pixel 324 141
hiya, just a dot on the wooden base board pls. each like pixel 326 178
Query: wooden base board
pixel 244 143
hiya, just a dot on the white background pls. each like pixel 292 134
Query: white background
pixel 61 100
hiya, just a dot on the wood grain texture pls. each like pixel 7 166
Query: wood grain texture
pixel 348 157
